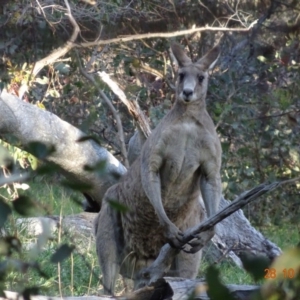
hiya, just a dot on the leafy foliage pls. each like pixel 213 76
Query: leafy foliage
pixel 62 253
pixel 5 211
pixel 255 265
pixel 25 206
pixel 285 284
pixel 216 290
pixel 119 207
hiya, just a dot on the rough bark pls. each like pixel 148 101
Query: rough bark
pixel 29 123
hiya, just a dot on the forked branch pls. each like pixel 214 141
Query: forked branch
pixel 61 51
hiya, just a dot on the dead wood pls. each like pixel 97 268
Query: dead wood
pixel 91 78
pixel 132 106
pixel 28 123
pixel 15 296
pixel 61 51
pixel 168 288
pixel 161 264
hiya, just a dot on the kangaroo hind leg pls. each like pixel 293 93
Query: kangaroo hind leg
pixel 187 265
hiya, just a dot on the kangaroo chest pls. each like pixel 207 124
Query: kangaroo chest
pixel 184 148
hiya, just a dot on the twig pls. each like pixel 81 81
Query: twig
pixel 133 107
pixel 167 253
pixel 272 116
pixel 128 38
pixel 61 51
pixel 70 44
pixel 111 107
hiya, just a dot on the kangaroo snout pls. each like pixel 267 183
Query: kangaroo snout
pixel 187 93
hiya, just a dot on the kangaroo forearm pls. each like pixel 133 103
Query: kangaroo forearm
pixel 152 189
pixel 211 192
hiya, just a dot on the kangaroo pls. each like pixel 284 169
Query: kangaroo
pixel 178 163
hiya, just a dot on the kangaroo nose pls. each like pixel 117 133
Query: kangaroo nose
pixel 187 93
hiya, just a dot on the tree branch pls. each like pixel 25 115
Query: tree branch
pixel 111 107
pixel 61 51
pixel 128 38
pixel 167 253
pixel 70 44
pixel 133 107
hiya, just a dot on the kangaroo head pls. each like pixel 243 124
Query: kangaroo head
pixel 193 77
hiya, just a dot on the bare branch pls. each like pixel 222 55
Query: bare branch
pixel 244 199
pixel 128 38
pixel 167 253
pixel 70 44
pixel 61 51
pixel 273 116
pixel 111 107
pixel 133 107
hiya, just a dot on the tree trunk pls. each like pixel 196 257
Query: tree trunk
pixel 29 123
pixel 235 235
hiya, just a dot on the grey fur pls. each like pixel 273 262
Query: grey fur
pixel 179 161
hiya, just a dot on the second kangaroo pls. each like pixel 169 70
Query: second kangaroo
pixel 179 163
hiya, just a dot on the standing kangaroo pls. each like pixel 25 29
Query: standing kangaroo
pixel 178 163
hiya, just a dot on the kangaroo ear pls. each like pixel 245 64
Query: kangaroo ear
pixel 209 60
pixel 181 58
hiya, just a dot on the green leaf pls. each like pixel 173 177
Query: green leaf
pixel 100 167
pixel 27 292
pixel 118 206
pixel 40 150
pixel 33 161
pixel 290 259
pixel 8 244
pixel 81 187
pixel 47 169
pixel 216 289
pixel 62 253
pixel 62 68
pixel 5 211
pixel 89 137
pixel 261 58
pixel 255 265
pixel 54 93
pixel 4 156
pixel 79 84
pixel 282 278
pixel 24 206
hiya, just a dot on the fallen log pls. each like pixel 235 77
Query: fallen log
pixel 168 288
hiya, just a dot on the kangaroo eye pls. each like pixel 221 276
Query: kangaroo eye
pixel 200 78
pixel 181 76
